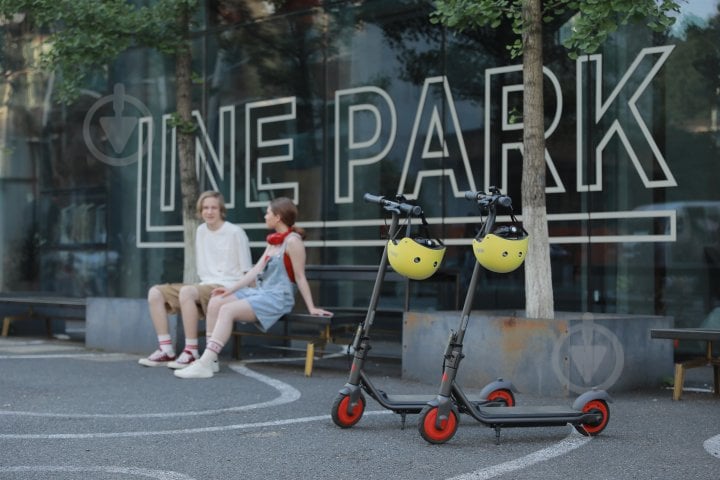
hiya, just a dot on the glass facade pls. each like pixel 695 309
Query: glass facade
pixel 324 101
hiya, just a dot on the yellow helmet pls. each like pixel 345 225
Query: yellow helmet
pixel 415 258
pixel 502 251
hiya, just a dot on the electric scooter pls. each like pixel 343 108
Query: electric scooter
pixel 349 405
pixel 438 420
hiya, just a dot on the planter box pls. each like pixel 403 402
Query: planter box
pixel 122 325
pixel 564 356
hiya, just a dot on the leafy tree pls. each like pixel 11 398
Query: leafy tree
pixel 87 35
pixel 592 22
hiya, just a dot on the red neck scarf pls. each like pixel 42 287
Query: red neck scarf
pixel 278 237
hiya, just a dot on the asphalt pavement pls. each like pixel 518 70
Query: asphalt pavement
pixel 67 412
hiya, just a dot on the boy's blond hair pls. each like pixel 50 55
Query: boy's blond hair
pixel 211 194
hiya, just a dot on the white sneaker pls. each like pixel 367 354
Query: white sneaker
pixel 196 370
pixel 215 366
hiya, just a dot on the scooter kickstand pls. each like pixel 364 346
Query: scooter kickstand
pixel 497 435
pixel 403 416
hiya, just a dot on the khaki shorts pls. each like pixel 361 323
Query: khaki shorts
pixel 171 292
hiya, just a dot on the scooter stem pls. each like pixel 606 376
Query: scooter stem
pixel 361 342
pixel 453 352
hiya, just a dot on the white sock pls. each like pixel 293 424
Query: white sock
pixel 208 357
pixel 191 344
pixel 166 346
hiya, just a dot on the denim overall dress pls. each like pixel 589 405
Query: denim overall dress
pixel 274 295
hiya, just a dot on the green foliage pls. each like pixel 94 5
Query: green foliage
pixel 592 21
pixel 197 79
pixel 84 36
pixel 186 127
pixel 470 14
pixel 596 20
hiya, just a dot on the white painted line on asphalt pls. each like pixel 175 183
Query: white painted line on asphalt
pixel 40 349
pixel 571 442
pixel 712 446
pixel 184 431
pixel 42 356
pixel 288 394
pixel 17 341
pixel 143 472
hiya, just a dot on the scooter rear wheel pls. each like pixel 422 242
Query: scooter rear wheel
pixel 340 414
pixel 502 395
pixel 433 433
pixel 592 429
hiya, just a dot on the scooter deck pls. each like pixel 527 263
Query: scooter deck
pixel 525 416
pixel 528 411
pixel 419 400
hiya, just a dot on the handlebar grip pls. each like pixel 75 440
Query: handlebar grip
pixel 373 198
pixel 470 195
pixel 505 201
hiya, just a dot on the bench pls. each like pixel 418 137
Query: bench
pixel 318 331
pixel 17 307
pixel 699 334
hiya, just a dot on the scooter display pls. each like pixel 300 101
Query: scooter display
pixel 349 405
pixel 439 419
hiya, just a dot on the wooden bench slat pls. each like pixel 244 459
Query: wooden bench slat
pixel 686 334
pixel 53 301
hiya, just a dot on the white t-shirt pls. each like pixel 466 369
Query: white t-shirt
pixel 223 255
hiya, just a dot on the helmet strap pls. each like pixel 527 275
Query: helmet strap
pixel 424 229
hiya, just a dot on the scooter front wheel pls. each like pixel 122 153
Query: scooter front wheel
pixel 340 414
pixel 429 428
pixel 502 395
pixel 594 428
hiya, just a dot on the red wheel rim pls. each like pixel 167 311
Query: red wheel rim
pixel 596 406
pixel 446 430
pixel 349 418
pixel 504 396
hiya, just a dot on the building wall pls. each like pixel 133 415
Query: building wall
pixel 324 102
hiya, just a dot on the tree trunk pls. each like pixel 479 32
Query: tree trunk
pixel 538 279
pixel 186 151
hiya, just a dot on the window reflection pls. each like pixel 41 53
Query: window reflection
pixel 69 222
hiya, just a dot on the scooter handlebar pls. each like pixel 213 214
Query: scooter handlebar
pixel 485 198
pixel 392 205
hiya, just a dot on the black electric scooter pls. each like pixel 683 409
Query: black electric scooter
pixel 349 405
pixel 438 421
